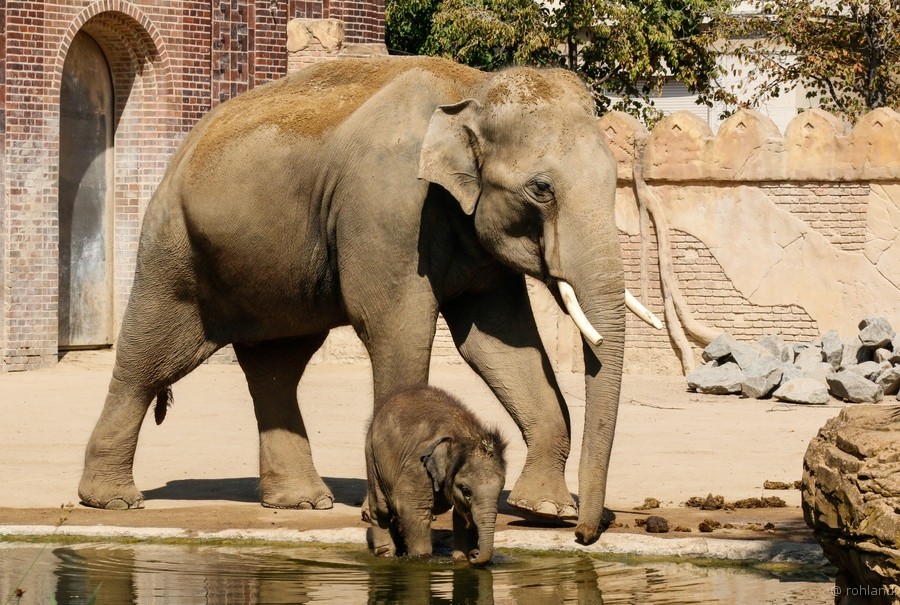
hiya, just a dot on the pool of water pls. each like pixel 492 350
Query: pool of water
pixel 222 575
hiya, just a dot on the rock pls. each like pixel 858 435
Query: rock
pixel 761 377
pixel 832 349
pixel 746 354
pixel 889 380
pixel 850 498
pixel 803 390
pixel 720 348
pixel 808 358
pixel 854 352
pixel 716 380
pixel 867 369
pixel 656 525
pixel 885 356
pixel 852 387
pixel 818 371
pixel 776 347
pixel 875 332
pixel 789 372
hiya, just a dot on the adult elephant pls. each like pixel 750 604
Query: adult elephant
pixel 378 193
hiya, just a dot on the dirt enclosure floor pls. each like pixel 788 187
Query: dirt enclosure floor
pixel 198 469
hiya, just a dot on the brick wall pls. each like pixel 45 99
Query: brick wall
pixel 3 204
pixel 170 63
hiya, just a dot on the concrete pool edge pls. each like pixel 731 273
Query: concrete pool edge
pixel 625 544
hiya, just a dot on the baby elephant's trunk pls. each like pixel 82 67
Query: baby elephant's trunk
pixel 485 522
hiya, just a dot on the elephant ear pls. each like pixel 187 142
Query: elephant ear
pixel 451 155
pixel 436 459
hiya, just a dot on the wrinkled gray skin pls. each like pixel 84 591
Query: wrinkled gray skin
pixel 426 453
pixel 378 193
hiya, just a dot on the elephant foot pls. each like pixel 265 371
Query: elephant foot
pixel 307 497
pixel 539 500
pixel 109 495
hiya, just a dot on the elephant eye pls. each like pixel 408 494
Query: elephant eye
pixel 540 189
pixel 466 492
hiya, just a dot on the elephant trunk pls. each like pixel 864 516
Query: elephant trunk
pixel 596 275
pixel 485 520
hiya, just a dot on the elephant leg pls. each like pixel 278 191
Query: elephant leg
pixel 382 540
pixel 496 334
pixel 158 344
pixel 465 537
pixel 415 527
pixel 287 476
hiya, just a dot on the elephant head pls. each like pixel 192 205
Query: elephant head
pixel 470 474
pixel 525 158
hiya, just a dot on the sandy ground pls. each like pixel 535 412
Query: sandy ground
pixel 198 469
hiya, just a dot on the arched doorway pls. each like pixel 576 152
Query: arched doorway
pixel 86 165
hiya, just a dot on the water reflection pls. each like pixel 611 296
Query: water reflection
pixel 147 573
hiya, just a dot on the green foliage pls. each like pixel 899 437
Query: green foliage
pixel 844 53
pixel 623 49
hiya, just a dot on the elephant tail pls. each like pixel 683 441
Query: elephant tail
pixel 163 403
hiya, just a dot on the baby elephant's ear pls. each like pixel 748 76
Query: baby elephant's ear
pixel 436 459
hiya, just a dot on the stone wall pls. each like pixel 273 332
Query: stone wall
pixel 769 233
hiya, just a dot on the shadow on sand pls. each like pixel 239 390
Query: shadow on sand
pixel 246 489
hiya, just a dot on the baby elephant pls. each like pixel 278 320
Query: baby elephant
pixel 426 453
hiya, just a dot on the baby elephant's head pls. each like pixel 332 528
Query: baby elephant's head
pixel 471 473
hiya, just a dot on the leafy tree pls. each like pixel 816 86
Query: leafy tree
pixel 625 50
pixel 844 53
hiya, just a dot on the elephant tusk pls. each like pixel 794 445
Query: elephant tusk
pixel 574 309
pixel 641 311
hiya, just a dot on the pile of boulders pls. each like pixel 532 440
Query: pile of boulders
pixel 862 369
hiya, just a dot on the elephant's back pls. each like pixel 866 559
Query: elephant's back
pixel 313 102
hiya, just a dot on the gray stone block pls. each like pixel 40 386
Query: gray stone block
pixel 832 348
pixel 854 352
pixel 803 390
pixel 818 371
pixel 718 349
pixel 852 387
pixel 789 372
pixel 775 346
pixel 867 369
pixel 889 380
pixel 716 380
pixel 809 358
pixel 746 354
pixel 885 355
pixel 875 332
pixel 761 377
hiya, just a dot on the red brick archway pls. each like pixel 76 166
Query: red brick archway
pixel 147 123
